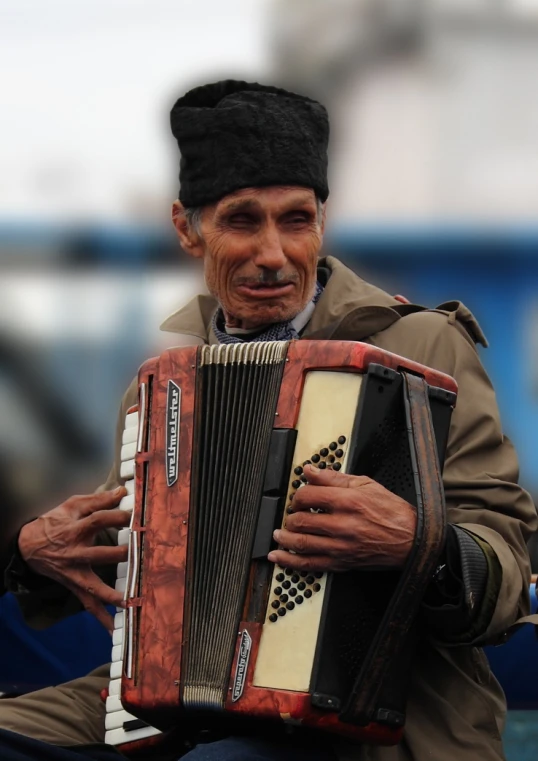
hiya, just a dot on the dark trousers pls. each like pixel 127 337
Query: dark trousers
pixel 15 747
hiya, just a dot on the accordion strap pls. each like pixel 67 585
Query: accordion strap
pixel 420 565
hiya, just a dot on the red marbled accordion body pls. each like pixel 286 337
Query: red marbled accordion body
pixel 162 523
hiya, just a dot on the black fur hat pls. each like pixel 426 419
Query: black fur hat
pixel 235 135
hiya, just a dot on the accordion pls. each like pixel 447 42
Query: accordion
pixel 212 457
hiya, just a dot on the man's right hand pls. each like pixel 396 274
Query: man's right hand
pixel 60 545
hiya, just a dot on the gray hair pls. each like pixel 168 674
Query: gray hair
pixel 193 216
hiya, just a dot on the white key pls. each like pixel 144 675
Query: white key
pixel 131 420
pixel 121 584
pixel 118 620
pixel 123 536
pixel 116 669
pixel 120 736
pixel 113 703
pixel 129 435
pixel 127 503
pixel 128 452
pixel 127 469
pixel 115 720
pixel 117 653
pixel 117 637
pixel 114 688
pixel 121 573
pixel 130 486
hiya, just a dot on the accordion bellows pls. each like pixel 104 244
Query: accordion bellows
pixel 211 626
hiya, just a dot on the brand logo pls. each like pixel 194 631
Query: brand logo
pixel 173 404
pixel 242 665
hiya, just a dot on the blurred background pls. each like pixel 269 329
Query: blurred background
pixel 434 190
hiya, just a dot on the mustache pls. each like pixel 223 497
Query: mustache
pixel 267 277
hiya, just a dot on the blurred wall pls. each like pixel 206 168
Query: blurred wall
pixel 434 127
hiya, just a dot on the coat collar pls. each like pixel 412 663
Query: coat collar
pixel 348 305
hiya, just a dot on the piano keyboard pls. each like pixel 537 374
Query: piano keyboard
pixel 122 727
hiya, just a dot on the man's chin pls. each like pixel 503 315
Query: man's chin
pixel 267 315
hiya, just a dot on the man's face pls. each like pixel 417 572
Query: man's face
pixel 260 248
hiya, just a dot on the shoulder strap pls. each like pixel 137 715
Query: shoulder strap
pixel 420 565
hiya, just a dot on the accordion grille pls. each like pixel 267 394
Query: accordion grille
pixel 236 398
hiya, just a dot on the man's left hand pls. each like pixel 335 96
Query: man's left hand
pixel 363 525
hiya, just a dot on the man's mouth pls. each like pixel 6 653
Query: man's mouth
pixel 266 290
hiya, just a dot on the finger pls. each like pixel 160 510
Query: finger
pixel 301 562
pixel 97 609
pixel 105 555
pixel 330 477
pixel 325 498
pixel 106 500
pixel 313 523
pixel 307 544
pixel 107 519
pixel 89 583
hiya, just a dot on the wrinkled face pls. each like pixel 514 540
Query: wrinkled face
pixel 260 248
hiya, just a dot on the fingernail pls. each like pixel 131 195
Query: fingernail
pixel 272 557
pixel 119 490
pixel 276 534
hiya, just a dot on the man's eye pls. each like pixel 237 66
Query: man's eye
pixel 241 220
pixel 298 218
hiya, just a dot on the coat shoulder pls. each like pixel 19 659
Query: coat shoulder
pixel 437 338
pixel 448 319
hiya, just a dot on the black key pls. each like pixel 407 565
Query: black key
pixel 132 724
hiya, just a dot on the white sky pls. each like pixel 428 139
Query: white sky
pixel 87 87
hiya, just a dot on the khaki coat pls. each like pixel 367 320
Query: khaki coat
pixel 456 708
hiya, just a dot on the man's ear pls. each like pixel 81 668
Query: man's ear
pixel 190 240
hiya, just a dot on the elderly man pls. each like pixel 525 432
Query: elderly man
pixel 252 210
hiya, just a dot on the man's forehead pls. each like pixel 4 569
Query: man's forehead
pixel 259 197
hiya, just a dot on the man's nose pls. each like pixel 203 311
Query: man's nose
pixel 270 254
